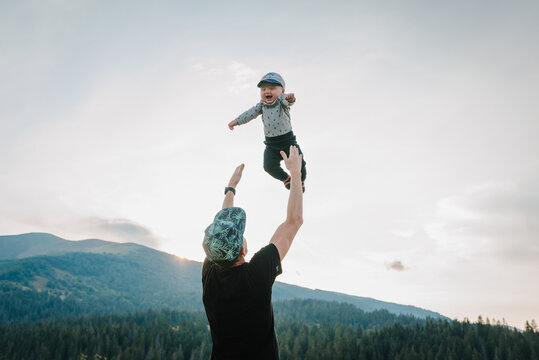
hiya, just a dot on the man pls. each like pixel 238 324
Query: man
pixel 236 293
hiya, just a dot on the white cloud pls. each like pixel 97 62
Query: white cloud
pixel 499 219
pixel 234 76
pixel 244 77
pixel 118 230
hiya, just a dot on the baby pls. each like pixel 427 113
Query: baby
pixel 275 109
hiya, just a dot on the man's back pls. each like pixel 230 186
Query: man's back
pixel 238 306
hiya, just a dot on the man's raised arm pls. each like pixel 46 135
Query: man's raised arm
pixel 230 190
pixel 286 232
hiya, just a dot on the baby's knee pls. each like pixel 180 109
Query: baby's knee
pixel 268 166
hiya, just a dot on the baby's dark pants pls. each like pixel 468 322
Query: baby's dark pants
pixel 273 158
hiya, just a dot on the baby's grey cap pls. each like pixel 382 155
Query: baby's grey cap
pixel 273 78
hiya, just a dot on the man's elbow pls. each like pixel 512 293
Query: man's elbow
pixel 296 221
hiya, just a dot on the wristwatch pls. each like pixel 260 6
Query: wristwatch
pixel 228 188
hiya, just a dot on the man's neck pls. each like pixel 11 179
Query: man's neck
pixel 240 261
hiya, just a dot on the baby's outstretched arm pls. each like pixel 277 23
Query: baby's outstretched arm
pixel 290 97
pixel 246 116
pixel 232 124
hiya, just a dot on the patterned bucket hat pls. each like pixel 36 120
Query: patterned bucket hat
pixel 223 239
pixel 273 78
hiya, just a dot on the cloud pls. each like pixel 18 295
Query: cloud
pixel 396 265
pixel 496 218
pixel 119 230
pixel 80 227
pixel 237 76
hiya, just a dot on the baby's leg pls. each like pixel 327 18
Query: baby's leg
pixel 272 163
pixel 303 168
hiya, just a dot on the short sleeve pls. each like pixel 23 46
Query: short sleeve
pixel 266 264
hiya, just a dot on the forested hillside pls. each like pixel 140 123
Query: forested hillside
pixel 85 283
pixel 43 276
pixel 306 329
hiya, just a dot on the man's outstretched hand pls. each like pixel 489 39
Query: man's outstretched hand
pixel 293 160
pixel 236 176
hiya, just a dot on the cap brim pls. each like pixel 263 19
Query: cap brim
pixel 271 81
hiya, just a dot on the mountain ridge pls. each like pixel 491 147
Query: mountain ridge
pixel 35 244
pixel 129 276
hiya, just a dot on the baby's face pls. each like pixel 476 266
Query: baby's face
pixel 270 92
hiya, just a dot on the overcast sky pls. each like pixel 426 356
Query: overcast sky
pixel 418 120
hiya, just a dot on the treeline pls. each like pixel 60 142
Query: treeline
pixel 23 306
pixel 306 329
pixel 309 311
pixel 450 340
pixel 434 340
pixel 142 335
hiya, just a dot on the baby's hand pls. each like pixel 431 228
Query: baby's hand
pixel 290 97
pixel 232 124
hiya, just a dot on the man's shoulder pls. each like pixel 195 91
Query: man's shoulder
pixel 268 250
pixel 267 259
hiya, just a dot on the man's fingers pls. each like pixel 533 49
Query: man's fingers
pixel 239 170
pixel 236 176
pixel 293 155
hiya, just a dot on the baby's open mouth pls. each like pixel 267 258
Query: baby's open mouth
pixel 268 97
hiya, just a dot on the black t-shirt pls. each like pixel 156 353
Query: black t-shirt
pixel 238 306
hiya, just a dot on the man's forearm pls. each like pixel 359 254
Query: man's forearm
pixel 295 200
pixel 232 183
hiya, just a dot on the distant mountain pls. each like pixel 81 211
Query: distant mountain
pixel 42 275
pixel 35 244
